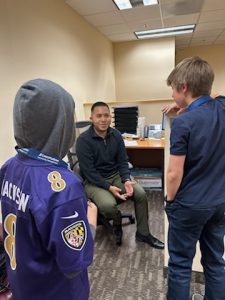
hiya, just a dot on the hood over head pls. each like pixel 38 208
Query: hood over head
pixel 43 117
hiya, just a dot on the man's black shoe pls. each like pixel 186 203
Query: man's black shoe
pixel 118 233
pixel 150 239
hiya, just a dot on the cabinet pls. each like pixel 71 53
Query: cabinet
pixel 148 155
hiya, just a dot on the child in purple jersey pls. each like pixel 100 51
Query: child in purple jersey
pixel 48 224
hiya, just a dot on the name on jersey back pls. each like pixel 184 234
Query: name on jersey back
pixel 14 193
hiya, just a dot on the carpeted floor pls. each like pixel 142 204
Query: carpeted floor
pixel 133 271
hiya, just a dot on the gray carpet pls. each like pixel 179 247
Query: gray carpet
pixel 133 271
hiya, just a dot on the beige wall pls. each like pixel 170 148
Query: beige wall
pixel 151 110
pixel 141 68
pixel 48 39
pixel 215 55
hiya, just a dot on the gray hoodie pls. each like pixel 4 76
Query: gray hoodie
pixel 43 117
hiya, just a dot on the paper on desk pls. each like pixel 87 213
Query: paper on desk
pixel 129 135
pixel 130 143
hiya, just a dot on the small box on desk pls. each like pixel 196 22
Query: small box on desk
pixel 148 178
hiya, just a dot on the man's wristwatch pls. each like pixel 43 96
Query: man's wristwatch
pixel 127 179
pixel 168 201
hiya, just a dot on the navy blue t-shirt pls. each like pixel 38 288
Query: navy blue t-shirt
pixel 200 135
pixel 46 231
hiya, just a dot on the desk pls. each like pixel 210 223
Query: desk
pixel 148 153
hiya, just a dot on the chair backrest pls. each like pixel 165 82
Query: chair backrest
pixel 80 126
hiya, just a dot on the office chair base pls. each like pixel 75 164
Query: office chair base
pixel 117 233
pixel 105 222
pixel 130 217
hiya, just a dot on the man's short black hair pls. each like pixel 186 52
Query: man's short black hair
pixel 97 104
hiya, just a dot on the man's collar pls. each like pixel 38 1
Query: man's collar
pixel 95 135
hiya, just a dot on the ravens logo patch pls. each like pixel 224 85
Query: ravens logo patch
pixel 75 235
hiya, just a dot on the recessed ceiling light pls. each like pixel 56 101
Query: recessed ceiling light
pixel 126 4
pixel 150 2
pixel 123 4
pixel 169 31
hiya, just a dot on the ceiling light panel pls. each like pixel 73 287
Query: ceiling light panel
pixel 123 4
pixel 150 2
pixel 170 31
pixel 127 4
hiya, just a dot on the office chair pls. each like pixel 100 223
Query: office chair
pixel 71 155
pixel 74 165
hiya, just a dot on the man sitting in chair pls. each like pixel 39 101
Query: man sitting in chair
pixel 103 165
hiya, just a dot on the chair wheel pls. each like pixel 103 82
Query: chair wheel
pixel 132 220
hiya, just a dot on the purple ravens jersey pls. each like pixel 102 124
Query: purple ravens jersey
pixel 46 231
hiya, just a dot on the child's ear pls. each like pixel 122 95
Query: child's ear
pixel 184 88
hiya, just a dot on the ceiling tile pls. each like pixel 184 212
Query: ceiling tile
pixel 140 13
pixel 212 15
pixel 167 1
pixel 183 36
pixel 215 33
pixel 145 24
pixel 210 25
pixel 195 44
pixel 114 29
pixel 122 37
pixel 203 40
pixel 105 19
pixel 221 39
pixel 223 34
pixel 181 20
pixel 180 7
pixel 213 5
pixel 87 7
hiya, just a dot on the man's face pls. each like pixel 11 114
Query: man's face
pixel 101 118
pixel 179 97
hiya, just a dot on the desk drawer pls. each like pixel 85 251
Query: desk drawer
pixel 148 183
